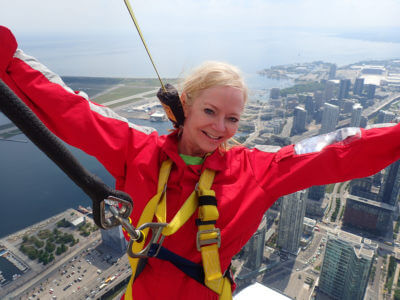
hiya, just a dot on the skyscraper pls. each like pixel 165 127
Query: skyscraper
pixel 358 86
pixel 385 117
pixel 329 91
pixel 332 71
pixel 316 192
pixel 293 209
pixel 389 192
pixel 275 93
pixel 346 267
pixel 370 89
pixel 356 115
pixel 330 116
pixel 299 120
pixel 315 202
pixel 114 238
pixel 255 246
pixel 344 88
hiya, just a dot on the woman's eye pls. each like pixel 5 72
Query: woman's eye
pixel 208 111
pixel 233 119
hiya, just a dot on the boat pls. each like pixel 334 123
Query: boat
pixel 158 117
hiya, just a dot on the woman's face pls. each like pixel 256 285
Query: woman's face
pixel 211 119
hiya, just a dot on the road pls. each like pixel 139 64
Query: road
pixel 136 96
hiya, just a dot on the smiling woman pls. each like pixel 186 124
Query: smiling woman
pixel 213 99
pixel 230 189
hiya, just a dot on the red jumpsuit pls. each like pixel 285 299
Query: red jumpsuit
pixel 247 181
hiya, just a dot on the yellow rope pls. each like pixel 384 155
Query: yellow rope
pixel 128 6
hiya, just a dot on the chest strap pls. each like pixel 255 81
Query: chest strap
pixel 208 237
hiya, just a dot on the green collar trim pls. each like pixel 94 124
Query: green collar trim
pixel 192 160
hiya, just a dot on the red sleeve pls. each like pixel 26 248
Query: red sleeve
pixel 287 172
pixel 70 115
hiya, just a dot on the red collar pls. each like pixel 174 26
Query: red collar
pixel 169 144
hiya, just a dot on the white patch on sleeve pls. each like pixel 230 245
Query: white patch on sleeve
pixel 54 78
pixel 317 143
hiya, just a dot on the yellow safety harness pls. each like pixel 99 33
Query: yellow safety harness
pixel 208 237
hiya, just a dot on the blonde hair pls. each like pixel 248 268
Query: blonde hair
pixel 211 74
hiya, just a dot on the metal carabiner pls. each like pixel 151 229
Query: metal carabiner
pixel 120 208
pixel 154 245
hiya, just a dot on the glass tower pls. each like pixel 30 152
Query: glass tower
pixel 346 267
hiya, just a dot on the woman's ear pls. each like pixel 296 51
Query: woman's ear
pixel 184 104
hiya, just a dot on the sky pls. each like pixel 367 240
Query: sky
pixel 181 33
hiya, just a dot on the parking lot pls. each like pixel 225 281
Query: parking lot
pixel 91 271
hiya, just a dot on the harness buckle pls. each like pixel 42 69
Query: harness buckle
pixel 120 209
pixel 154 245
pixel 204 242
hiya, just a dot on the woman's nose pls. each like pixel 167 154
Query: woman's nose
pixel 219 124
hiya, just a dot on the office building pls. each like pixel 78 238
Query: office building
pixel 292 212
pixel 275 93
pixel 330 116
pixel 356 115
pixel 329 91
pixel 316 192
pixel 332 71
pixel 358 86
pixel 368 215
pixel 363 122
pixel 114 238
pixel 254 249
pixel 344 88
pixel 309 104
pixel 364 187
pixel 299 120
pixel 318 97
pixel 389 192
pixel 370 90
pixel 346 266
pixel 385 117
pixel 315 203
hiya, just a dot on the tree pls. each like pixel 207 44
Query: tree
pixel 50 247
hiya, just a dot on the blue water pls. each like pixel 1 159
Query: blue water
pixel 175 53
pixel 33 188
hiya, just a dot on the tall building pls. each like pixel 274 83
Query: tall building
pixel 315 202
pixel 370 89
pixel 385 117
pixel 329 91
pixel 114 238
pixel 299 120
pixel 254 249
pixel 332 71
pixel 318 96
pixel 316 192
pixel 358 86
pixel 275 93
pixel 330 116
pixel 293 209
pixel 346 267
pixel 356 115
pixel 363 187
pixel 368 215
pixel 389 192
pixel 344 88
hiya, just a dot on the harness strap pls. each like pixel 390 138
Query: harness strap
pixel 210 274
pixel 146 217
pixel 209 239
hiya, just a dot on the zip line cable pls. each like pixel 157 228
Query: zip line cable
pixel 128 6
